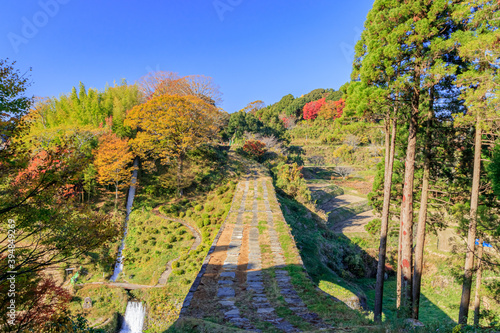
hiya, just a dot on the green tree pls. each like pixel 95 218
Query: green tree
pixel 478 43
pixel 13 102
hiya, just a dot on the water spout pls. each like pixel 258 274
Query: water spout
pixel 134 318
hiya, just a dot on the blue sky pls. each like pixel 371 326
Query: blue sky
pixel 254 49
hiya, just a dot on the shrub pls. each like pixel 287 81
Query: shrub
pixel 344 152
pixel 181 214
pixel 290 179
pixel 209 207
pixel 254 149
pixel 200 224
pixel 185 281
pixel 175 264
pixel 178 272
pixel 189 213
pixel 206 222
pixel 373 227
pixel 221 190
pixel 219 212
pixel 198 208
pixel 171 238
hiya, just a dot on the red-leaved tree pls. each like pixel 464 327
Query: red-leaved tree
pixel 254 149
pixel 311 109
pixel 332 109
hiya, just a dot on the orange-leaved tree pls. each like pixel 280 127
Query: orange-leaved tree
pixel 332 109
pixel 112 161
pixel 169 126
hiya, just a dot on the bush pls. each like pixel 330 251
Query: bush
pixel 254 149
pixel 209 207
pixel 200 224
pixel 178 272
pixel 221 190
pixel 373 227
pixel 175 264
pixel 198 208
pixel 290 179
pixel 171 239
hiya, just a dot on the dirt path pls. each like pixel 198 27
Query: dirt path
pixel 354 224
pixel 341 201
pixel 164 276
pixel 234 286
pixel 345 222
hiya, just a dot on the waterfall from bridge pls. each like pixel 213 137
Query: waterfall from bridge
pixel 134 318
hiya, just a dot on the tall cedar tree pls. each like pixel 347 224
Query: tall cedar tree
pixel 479 44
pixel 400 42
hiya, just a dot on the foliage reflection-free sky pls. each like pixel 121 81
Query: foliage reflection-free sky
pixel 254 49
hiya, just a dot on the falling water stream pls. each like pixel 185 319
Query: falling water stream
pixel 134 318
pixel 130 201
pixel 134 314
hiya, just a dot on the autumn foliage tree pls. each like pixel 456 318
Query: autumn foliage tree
pixel 168 127
pixel 254 149
pixel 332 109
pixel 112 161
pixel 312 109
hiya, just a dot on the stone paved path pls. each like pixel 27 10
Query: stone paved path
pixel 233 282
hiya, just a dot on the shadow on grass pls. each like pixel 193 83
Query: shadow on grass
pixel 342 268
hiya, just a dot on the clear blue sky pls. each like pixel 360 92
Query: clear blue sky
pixel 254 49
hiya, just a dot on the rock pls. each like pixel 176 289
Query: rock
pixel 87 303
pixel 414 322
pixel 225 292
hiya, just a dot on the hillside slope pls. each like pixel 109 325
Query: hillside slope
pixel 254 278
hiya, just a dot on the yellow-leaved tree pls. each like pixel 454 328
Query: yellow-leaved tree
pixel 169 126
pixel 112 161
